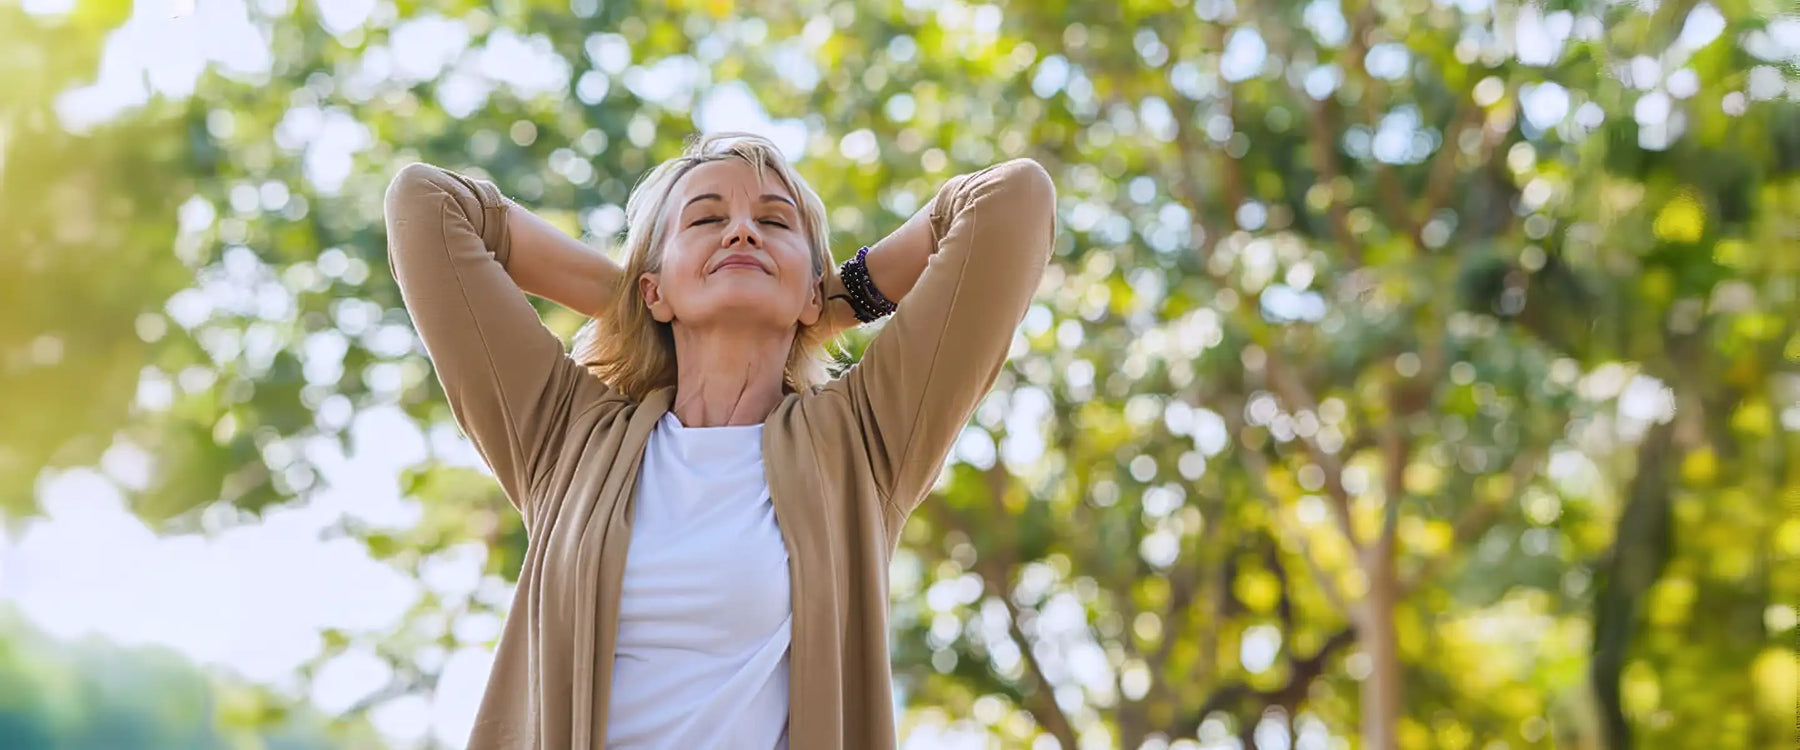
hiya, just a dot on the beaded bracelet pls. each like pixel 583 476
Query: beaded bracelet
pixel 868 302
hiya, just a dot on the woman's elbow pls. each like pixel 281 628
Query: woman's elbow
pixel 1020 190
pixel 422 193
pixel 1026 177
pixel 414 201
pixel 1031 195
pixel 413 182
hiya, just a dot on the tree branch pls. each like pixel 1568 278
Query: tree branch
pixel 1042 699
pixel 1191 153
pixel 1257 467
pixel 1175 619
pixel 1442 170
pixel 1320 129
pixel 403 683
pixel 1408 398
pixel 992 568
pixel 1396 447
pixel 1355 54
pixel 1294 690
pixel 1474 521
pixel 1288 386
pixel 1187 188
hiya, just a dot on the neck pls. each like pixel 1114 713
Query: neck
pixel 728 377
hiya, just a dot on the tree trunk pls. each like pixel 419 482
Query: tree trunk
pixel 1381 689
pixel 1641 547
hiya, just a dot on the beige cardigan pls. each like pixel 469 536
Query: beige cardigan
pixel 846 463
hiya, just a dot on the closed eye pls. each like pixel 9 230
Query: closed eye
pixel 715 219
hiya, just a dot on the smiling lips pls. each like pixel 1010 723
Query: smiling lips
pixel 740 261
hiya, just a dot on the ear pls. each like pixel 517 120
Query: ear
pixel 815 304
pixel 650 289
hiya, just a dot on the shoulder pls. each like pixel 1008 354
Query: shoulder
pixel 597 411
pixel 822 415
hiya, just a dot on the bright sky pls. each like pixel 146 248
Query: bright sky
pixel 253 599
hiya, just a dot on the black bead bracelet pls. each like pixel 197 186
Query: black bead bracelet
pixel 868 302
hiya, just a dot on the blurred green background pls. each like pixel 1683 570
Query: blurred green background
pixel 1410 373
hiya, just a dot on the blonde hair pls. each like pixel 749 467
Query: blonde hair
pixel 635 353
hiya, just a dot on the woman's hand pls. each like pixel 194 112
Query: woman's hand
pixel 548 263
pixel 894 265
pixel 838 316
pixel 899 259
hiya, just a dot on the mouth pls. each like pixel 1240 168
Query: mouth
pixel 739 262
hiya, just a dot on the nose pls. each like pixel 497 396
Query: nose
pixel 743 231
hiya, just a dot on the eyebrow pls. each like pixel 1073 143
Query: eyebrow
pixel 766 198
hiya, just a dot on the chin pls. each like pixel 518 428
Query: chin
pixel 747 309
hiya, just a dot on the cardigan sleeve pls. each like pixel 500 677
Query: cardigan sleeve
pixel 510 386
pixel 922 376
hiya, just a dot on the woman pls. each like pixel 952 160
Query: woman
pixel 710 519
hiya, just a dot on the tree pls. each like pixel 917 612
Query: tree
pixel 89 220
pixel 1463 296
pixel 1409 371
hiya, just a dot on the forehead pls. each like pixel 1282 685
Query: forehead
pixel 727 176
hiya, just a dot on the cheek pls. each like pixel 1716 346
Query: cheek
pixel 680 257
pixel 796 258
pixel 683 265
pixel 798 275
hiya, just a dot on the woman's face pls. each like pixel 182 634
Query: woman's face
pixel 734 253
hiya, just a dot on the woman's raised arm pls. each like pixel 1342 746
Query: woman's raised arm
pixel 510 385
pixel 548 263
pixel 977 252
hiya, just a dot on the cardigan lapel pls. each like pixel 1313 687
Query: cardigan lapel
pixel 614 544
pixel 794 489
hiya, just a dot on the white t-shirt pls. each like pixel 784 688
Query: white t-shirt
pixel 705 617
